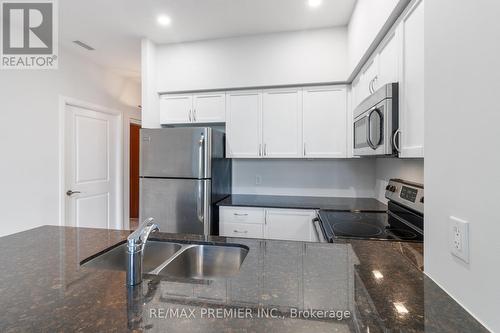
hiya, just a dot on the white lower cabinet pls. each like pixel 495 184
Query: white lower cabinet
pixel 284 224
pixel 288 224
pixel 244 230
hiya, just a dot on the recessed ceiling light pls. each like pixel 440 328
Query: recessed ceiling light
pixel 163 20
pixel 314 3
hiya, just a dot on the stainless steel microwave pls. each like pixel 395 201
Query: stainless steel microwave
pixel 376 123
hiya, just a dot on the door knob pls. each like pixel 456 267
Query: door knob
pixel 70 193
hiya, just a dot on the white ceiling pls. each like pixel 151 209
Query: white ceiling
pixel 114 27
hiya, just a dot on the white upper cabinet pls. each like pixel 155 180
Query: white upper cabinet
pixel 282 123
pixel 411 116
pixel 400 58
pixel 176 109
pixel 192 108
pixel 388 60
pixel 243 124
pixel 209 108
pixel 324 122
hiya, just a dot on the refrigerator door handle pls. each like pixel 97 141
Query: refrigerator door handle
pixel 200 206
pixel 201 164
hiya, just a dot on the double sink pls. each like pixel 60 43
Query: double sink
pixel 176 260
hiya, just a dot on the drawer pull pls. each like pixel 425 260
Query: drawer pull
pixel 240 232
pixel 239 214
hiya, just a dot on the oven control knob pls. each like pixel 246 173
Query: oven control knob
pixel 392 188
pixel 388 187
pixel 422 199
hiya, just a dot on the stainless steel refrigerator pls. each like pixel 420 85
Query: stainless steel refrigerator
pixel 183 173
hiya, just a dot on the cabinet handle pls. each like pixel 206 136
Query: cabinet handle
pixel 190 117
pixel 304 149
pixel 265 149
pixel 260 149
pixel 240 232
pixel 194 115
pixel 240 214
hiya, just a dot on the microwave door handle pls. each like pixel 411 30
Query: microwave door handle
pixel 369 138
pixel 381 127
pixel 368 132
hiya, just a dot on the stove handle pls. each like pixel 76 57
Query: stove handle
pixel 319 231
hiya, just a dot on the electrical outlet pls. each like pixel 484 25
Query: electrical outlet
pixel 459 238
pixel 258 180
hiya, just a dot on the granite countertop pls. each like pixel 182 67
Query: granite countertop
pixel 299 202
pixel 43 288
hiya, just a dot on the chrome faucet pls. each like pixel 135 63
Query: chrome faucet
pixel 136 242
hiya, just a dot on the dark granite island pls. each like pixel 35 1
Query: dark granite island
pixel 371 285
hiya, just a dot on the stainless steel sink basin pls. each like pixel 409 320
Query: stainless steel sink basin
pixel 115 258
pixel 179 261
pixel 205 262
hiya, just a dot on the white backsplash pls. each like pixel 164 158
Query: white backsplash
pixel 341 178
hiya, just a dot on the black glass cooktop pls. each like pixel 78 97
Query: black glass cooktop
pixel 378 226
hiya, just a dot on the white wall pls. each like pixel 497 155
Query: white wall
pixel 261 60
pixel 387 168
pixel 368 18
pixel 342 178
pixel 29 145
pixel 462 154
pixel 149 92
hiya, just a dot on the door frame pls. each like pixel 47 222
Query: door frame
pixel 126 168
pixel 65 101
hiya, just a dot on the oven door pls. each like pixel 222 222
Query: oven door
pixel 373 131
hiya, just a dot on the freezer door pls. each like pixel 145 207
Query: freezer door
pixel 176 152
pixel 177 205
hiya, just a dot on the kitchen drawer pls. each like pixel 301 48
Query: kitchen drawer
pixel 242 215
pixel 245 230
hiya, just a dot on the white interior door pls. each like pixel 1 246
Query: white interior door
pixel 91 157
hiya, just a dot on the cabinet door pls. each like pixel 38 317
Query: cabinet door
pixel 175 109
pixel 325 122
pixel 368 76
pixel 321 274
pixel 243 124
pixel 281 123
pixel 388 60
pixel 246 288
pixel 412 84
pixel 283 287
pixel 290 224
pixel 355 92
pixel 209 108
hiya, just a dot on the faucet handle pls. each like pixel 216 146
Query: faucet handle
pixel 138 238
